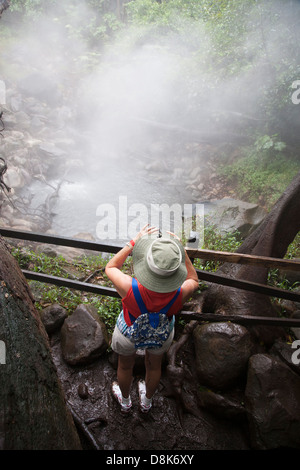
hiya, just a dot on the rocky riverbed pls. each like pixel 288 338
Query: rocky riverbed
pixel 58 179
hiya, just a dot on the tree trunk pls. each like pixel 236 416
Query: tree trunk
pixel 33 412
pixel 272 239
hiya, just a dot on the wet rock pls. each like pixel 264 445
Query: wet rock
pixel 36 123
pixel 222 352
pixel 68 253
pixel 273 407
pixel 48 250
pixel 295 330
pixel 49 149
pixel 220 405
pixel 23 120
pixel 14 178
pixel 23 225
pixel 231 215
pixel 4 222
pixel 83 391
pixel 7 212
pixel 84 336
pixel 20 158
pixel 16 103
pixel 40 86
pixel 53 317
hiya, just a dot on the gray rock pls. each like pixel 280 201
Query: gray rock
pixel 14 178
pixel 40 86
pixel 23 120
pixel 16 103
pixel 230 215
pixel 83 391
pixel 222 353
pixel 48 250
pixel 51 150
pixel 220 405
pixel 272 403
pixel 53 317
pixel 84 336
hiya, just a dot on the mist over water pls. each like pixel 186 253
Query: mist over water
pixel 136 114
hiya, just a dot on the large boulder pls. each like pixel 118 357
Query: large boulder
pixel 84 336
pixel 53 317
pixel 272 402
pixel 231 215
pixel 222 352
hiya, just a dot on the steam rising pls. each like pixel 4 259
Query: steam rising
pixel 141 107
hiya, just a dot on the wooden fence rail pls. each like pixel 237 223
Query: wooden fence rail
pixel 226 257
pixel 205 276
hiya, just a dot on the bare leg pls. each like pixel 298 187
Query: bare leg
pixel 124 373
pixel 153 372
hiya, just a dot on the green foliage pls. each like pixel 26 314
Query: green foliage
pixel 214 240
pixel 91 22
pixel 84 268
pixel 293 250
pixel 33 8
pixel 264 170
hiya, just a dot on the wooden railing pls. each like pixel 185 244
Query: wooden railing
pixel 211 277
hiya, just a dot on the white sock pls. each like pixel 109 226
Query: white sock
pixel 126 401
pixel 146 401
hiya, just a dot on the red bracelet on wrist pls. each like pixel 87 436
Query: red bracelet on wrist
pixel 132 242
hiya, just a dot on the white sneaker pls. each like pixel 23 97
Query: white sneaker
pixel 125 407
pixel 144 407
